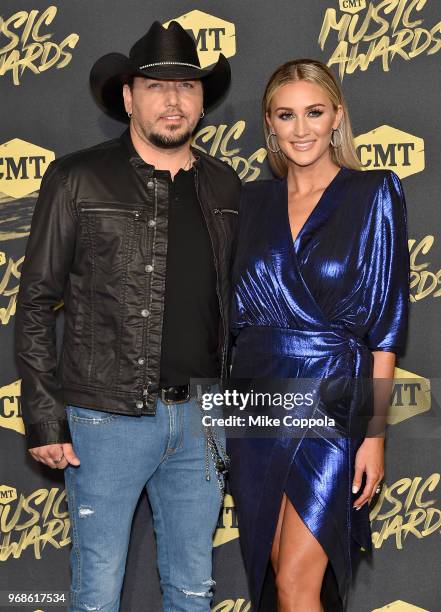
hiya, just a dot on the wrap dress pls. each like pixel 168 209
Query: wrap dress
pixel 315 308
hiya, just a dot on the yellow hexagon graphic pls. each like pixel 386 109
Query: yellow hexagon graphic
pixel 411 396
pixel 7 494
pixel 227 529
pixel 386 147
pixel 10 407
pixel 212 35
pixel 22 165
pixel 400 606
pixel 352 6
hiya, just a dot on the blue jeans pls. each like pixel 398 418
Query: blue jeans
pixel 120 455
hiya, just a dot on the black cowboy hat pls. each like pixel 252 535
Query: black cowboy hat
pixel 162 53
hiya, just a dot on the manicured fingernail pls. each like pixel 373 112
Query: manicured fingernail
pixel 354 489
pixel 358 508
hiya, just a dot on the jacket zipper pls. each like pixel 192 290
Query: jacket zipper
pixel 221 211
pixel 135 213
pixel 216 265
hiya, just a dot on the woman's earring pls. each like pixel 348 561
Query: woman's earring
pixel 202 114
pixel 339 140
pixel 129 115
pixel 269 142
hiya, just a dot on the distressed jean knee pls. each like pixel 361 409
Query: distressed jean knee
pixel 85 511
pixel 205 590
pixel 77 605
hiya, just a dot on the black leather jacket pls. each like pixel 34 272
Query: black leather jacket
pixel 99 242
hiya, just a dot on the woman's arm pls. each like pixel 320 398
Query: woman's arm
pixel 370 455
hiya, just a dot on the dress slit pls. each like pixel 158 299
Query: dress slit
pixel 334 586
pixel 326 534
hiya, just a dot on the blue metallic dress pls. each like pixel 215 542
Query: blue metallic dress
pixel 314 308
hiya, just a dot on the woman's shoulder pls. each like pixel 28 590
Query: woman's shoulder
pixel 376 179
pixel 251 186
pixel 260 191
pixel 377 190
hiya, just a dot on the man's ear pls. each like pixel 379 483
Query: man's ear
pixel 127 95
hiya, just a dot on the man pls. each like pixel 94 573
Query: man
pixel 135 235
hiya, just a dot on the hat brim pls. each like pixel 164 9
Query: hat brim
pixel 110 72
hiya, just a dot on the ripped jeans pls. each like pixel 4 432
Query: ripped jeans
pixel 120 455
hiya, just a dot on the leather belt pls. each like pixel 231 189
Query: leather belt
pixel 179 394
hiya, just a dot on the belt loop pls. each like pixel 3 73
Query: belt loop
pixel 199 393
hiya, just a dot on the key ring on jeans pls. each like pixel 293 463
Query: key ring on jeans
pixel 221 460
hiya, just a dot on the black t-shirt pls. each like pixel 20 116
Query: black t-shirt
pixel 190 332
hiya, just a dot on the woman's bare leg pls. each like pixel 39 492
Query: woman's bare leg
pixel 299 562
pixel 276 541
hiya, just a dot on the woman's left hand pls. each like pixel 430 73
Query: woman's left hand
pixel 369 459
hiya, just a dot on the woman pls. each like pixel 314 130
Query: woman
pixel 321 279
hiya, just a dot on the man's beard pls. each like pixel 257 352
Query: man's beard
pixel 169 141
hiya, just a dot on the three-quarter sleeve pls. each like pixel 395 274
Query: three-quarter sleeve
pixel 388 329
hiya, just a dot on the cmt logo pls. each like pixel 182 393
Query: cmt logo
pixel 211 34
pixel 352 6
pixel 22 165
pixel 400 606
pixel 7 494
pixel 410 396
pixel 387 147
pixel 227 527
pixel 10 410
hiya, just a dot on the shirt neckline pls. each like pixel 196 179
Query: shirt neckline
pixel 137 159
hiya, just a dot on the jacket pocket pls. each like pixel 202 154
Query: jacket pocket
pixel 111 233
pixel 227 219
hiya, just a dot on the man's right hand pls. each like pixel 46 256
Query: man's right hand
pixel 56 456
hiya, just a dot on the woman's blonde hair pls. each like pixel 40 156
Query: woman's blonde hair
pixel 311 71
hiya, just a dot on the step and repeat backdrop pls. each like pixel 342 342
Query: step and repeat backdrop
pixel 387 55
